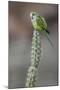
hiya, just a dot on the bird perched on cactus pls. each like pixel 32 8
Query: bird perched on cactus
pixel 40 24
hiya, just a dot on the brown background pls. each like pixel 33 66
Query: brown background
pixel 20 36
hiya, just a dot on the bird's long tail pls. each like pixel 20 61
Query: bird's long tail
pixel 47 35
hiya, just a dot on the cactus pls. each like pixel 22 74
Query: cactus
pixel 35 59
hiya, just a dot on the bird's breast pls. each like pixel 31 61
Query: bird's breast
pixel 34 24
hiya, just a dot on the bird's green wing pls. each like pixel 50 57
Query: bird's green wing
pixel 41 23
pixel 44 22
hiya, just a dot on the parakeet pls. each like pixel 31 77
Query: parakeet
pixel 39 23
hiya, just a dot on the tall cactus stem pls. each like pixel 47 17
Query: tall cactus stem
pixel 35 59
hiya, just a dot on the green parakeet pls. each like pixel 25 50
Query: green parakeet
pixel 39 24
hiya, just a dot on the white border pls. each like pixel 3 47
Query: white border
pixel 4 43
pixel 41 1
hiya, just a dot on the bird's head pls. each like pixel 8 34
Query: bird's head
pixel 33 15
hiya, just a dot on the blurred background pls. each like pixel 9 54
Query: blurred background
pixel 20 38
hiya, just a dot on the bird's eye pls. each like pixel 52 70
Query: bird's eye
pixel 33 14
